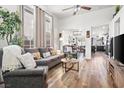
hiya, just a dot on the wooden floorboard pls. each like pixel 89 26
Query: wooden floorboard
pixel 92 74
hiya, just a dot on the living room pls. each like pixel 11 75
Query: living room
pixel 60 46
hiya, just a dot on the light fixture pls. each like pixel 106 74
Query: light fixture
pixel 60 39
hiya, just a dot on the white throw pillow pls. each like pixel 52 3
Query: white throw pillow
pixel 46 54
pixel 28 61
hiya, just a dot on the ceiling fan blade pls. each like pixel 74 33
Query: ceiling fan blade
pixel 67 8
pixel 85 7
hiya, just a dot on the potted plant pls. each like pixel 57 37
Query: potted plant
pixel 9 24
pixel 17 40
pixel 117 8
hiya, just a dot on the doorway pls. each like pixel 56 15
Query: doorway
pixel 100 38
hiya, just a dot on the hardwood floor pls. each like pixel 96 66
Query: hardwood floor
pixel 92 74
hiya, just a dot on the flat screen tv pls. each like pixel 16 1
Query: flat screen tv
pixel 111 47
pixel 119 48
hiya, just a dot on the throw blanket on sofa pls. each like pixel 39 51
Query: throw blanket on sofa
pixel 10 61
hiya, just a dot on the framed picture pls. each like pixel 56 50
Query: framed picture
pixel 87 34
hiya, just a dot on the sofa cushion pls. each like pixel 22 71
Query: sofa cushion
pixel 41 63
pixel 49 59
pixel 46 61
pixel 52 58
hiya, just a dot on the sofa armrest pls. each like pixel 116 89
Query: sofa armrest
pixel 26 72
pixel 25 78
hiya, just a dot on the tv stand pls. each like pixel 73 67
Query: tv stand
pixel 116 73
pixel 120 65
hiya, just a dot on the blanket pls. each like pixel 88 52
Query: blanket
pixel 10 58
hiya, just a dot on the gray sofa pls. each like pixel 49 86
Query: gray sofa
pixel 23 78
pixel 49 61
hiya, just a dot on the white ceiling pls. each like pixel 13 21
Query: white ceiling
pixel 57 9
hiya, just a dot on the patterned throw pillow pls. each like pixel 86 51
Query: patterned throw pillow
pixel 36 55
pixel 53 52
pixel 48 54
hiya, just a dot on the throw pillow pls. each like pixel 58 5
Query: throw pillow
pixel 46 54
pixel 36 55
pixel 27 60
pixel 53 52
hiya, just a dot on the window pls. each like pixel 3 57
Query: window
pixel 28 21
pixel 48 30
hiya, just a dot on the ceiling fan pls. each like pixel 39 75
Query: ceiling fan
pixel 77 8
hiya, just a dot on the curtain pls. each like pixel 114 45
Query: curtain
pixel 39 22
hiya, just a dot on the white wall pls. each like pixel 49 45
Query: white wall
pixel 88 48
pixel 122 21
pixel 12 8
pixel 113 29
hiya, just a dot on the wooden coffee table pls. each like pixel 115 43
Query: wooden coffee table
pixel 68 64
